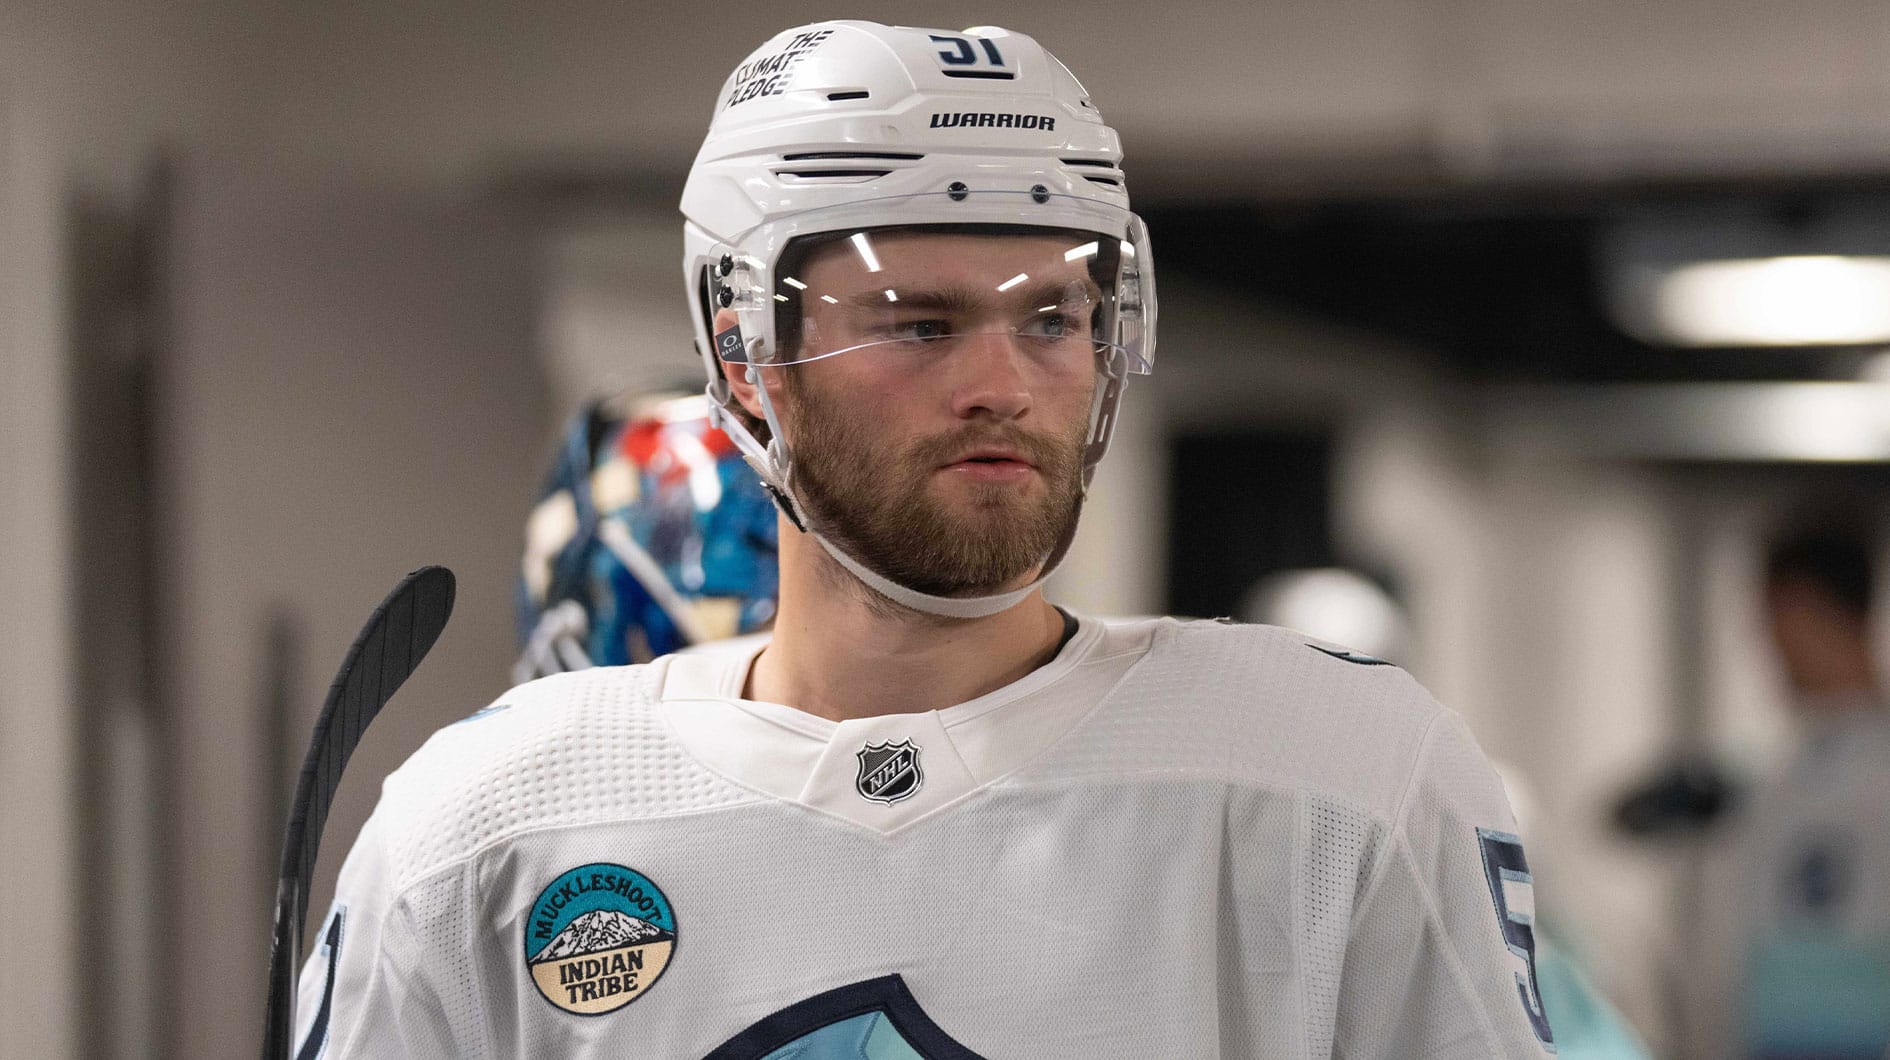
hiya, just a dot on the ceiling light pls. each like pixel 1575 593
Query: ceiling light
pixel 1801 300
pixel 866 251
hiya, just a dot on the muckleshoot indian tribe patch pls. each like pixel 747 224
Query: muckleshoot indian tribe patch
pixel 598 937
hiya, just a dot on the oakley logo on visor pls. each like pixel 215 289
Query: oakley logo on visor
pixel 728 344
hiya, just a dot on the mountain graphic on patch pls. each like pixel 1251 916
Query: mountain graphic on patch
pixel 600 929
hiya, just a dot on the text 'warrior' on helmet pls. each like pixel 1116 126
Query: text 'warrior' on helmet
pixel 846 130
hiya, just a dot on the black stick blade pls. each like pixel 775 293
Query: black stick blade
pixel 385 653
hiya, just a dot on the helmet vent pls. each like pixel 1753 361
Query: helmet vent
pixel 830 176
pixel 1112 176
pixel 987 75
pixel 839 172
pixel 806 156
pixel 836 97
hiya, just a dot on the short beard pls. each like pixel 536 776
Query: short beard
pixel 879 507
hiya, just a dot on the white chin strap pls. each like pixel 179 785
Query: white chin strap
pixel 947 606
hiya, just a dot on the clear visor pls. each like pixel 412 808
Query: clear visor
pixel 976 269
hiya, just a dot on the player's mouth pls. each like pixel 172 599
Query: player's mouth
pixel 992 465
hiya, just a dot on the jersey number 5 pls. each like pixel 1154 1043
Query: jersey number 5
pixel 1513 890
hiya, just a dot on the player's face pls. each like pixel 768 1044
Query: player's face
pixel 944 447
pixel 1822 642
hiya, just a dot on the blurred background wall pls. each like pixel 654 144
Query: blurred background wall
pixel 295 298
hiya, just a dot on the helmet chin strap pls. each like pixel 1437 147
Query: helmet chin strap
pixel 950 606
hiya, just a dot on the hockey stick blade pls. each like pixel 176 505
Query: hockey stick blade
pixel 385 653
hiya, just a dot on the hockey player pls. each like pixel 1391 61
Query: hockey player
pixel 934 816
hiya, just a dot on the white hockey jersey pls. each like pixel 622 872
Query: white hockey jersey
pixel 1174 840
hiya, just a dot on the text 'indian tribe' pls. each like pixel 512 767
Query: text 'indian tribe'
pixel 592 978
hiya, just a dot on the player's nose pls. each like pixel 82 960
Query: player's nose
pixel 989 378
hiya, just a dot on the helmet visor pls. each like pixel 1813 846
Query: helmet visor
pixel 921 290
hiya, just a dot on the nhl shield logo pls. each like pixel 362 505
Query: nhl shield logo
pixel 889 771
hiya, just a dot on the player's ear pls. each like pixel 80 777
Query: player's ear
pixel 737 373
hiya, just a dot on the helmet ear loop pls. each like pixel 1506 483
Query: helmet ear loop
pixel 1112 372
pixel 779 480
pixel 778 454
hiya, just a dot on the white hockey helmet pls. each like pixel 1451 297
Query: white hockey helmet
pixel 855 130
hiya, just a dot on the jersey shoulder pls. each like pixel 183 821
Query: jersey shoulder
pixel 569 749
pixel 1261 706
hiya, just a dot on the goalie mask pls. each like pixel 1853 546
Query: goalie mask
pixel 839 155
pixel 652 536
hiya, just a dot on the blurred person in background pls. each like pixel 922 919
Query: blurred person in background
pixel 652 536
pixel 1797 921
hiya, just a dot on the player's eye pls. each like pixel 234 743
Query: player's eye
pixel 918 330
pixel 1054 325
